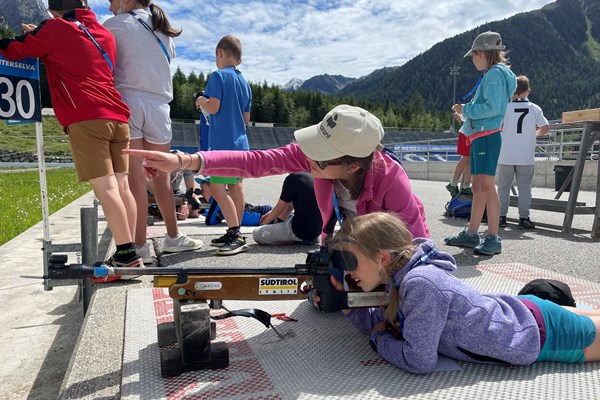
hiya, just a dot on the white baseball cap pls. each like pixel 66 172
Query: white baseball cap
pixel 345 131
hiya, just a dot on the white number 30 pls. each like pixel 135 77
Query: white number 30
pixel 16 103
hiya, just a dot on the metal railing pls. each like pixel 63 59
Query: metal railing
pixel 558 145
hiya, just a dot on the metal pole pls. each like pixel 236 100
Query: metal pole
pixel 47 244
pixel 42 172
pixel 454 71
pixel 89 249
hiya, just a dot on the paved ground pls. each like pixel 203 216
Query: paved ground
pixel 46 343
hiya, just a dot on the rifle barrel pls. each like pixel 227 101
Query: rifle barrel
pixel 206 271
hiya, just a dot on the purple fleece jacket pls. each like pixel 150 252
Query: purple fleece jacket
pixel 444 315
pixel 386 186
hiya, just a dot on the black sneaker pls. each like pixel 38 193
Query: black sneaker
pixel 191 199
pixel 134 261
pixel 452 189
pixel 220 241
pixel 467 192
pixel 503 222
pixel 525 223
pixel 262 210
pixel 229 235
pixel 234 246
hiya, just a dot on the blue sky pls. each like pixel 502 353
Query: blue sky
pixel 283 39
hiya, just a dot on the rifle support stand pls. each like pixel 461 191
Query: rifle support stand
pixel 191 331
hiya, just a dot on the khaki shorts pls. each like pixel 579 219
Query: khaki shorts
pixel 96 146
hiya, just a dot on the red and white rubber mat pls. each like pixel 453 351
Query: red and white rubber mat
pixel 323 356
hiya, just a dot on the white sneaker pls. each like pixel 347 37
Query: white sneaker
pixel 182 243
pixel 145 253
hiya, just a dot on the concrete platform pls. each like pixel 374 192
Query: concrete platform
pixel 50 351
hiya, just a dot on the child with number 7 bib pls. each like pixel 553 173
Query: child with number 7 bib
pixel 430 311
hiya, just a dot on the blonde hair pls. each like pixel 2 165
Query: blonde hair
pixel 231 46
pixel 374 233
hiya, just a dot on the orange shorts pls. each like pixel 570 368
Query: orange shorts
pixel 464 147
pixel 96 146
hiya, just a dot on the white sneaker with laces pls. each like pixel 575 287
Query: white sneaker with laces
pixel 182 243
pixel 145 253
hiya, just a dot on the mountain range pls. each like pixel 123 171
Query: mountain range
pixel 293 84
pixel 324 84
pixel 557 47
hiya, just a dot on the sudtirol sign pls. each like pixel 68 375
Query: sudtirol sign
pixel 279 285
pixel 20 98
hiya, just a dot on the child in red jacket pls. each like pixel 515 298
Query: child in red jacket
pixel 79 54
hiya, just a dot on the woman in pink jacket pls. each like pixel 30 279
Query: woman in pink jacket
pixel 353 175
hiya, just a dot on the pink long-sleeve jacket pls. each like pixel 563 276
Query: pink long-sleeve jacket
pixel 386 186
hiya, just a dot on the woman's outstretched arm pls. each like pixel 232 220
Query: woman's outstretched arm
pixel 154 161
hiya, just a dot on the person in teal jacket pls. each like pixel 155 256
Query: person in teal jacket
pixel 483 117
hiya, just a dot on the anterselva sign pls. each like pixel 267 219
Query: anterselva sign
pixel 20 98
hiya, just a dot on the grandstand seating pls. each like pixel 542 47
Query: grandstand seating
pixel 270 137
pixel 393 137
pixel 186 137
pixel 261 138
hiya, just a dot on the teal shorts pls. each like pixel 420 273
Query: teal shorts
pixel 227 180
pixel 484 154
pixel 567 333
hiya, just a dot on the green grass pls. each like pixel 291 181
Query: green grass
pixel 21 138
pixel 20 204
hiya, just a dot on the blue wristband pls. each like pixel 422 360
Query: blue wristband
pixel 373 339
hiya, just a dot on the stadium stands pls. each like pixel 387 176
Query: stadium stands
pixel 186 138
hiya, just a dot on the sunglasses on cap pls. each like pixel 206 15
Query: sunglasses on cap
pixel 324 164
pixel 342 259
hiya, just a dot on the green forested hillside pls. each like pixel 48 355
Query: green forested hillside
pixel 557 47
pixel 270 103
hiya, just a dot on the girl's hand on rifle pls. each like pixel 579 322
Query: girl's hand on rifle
pixel 337 285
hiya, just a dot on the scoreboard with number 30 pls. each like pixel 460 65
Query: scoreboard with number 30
pixel 20 98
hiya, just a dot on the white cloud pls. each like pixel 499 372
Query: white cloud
pixel 283 39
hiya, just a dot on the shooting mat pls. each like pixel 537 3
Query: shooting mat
pixel 323 356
